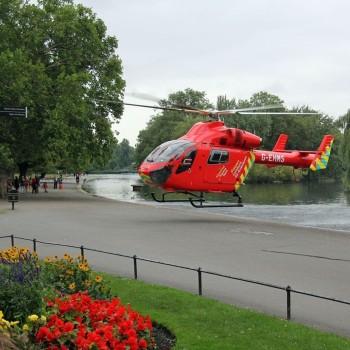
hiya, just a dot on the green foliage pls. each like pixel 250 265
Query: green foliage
pixel 262 174
pixel 122 157
pixel 57 59
pixel 344 122
pixel 201 323
pixel 20 292
pixel 69 275
pixel 6 159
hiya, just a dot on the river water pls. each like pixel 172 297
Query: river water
pixel 318 205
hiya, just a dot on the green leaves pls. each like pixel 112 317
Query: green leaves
pixel 57 59
pixel 344 123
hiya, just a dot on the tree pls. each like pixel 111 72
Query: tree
pixel 122 157
pixel 56 58
pixel 344 123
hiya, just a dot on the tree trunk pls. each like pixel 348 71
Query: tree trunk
pixel 23 167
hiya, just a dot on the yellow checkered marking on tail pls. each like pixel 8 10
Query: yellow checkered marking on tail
pixel 321 161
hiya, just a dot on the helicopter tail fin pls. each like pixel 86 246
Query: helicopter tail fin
pixel 280 146
pixel 281 143
pixel 323 153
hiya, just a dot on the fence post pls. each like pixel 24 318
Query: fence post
pixel 135 266
pixel 288 290
pixel 34 245
pixel 199 281
pixel 12 240
pixel 82 252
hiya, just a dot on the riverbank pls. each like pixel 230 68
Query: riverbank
pixel 307 259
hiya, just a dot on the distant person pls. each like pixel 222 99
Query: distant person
pixel 55 180
pixel 26 183
pixel 34 185
pixel 45 186
pixel 60 183
pixel 21 184
pixel 37 178
pixel 16 183
pixel 77 178
pixel 9 185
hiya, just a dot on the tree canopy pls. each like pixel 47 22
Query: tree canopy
pixel 57 59
pixel 344 123
pixel 122 157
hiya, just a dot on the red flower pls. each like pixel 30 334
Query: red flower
pixel 105 324
pixel 142 344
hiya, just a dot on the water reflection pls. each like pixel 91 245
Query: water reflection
pixel 320 205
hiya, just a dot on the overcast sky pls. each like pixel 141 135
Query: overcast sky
pixel 296 49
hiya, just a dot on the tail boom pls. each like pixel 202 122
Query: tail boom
pixel 315 160
pixel 297 159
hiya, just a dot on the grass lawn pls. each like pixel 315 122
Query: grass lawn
pixel 201 323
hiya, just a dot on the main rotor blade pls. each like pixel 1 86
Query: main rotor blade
pixel 237 110
pixel 278 113
pixel 176 109
pixel 195 111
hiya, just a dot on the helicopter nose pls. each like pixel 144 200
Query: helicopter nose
pixel 150 175
pixel 161 175
pixel 144 174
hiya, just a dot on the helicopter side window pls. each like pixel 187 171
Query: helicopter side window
pixel 187 161
pixel 218 157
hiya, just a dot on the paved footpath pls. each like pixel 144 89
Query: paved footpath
pixel 312 260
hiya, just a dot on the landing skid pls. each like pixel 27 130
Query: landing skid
pixel 197 200
pixel 164 200
pixel 235 205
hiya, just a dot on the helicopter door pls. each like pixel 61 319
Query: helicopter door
pixel 217 170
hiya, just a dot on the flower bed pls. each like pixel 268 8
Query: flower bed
pixel 59 303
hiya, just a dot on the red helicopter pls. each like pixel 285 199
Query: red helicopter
pixel 211 157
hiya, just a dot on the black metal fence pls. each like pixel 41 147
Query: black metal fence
pixel 288 289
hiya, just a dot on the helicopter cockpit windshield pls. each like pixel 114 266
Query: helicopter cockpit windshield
pixel 168 150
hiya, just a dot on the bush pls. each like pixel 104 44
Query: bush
pixel 20 292
pixel 75 314
pixel 69 275
pixel 262 174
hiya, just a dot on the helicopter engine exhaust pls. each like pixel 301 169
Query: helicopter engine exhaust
pixel 244 139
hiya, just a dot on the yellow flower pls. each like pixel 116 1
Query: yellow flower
pixel 70 272
pixel 67 257
pixel 25 328
pixel 72 286
pixel 33 318
pixel 83 267
pixel 5 323
pixel 43 318
pixel 98 279
pixel 87 283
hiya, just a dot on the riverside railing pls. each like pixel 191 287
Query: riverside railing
pixel 288 289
